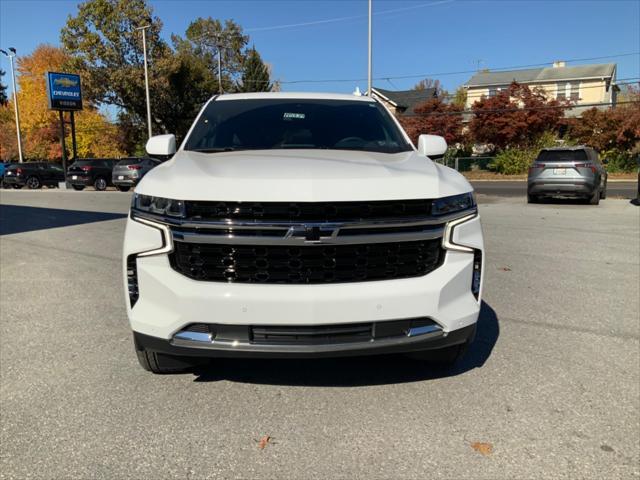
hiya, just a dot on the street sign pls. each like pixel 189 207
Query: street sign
pixel 63 91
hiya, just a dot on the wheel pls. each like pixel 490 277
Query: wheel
pixel 595 198
pixel 123 188
pixel 16 186
pixel 161 364
pixel 100 184
pixel 603 193
pixel 33 183
pixel 532 198
pixel 445 357
pixel 78 187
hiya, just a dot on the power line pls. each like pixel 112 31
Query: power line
pixel 622 81
pixel 443 74
pixel 342 19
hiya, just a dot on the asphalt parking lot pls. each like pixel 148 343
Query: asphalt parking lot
pixel 551 388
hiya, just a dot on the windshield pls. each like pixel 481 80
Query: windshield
pixel 268 124
pixel 561 156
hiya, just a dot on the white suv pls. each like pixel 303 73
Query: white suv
pixel 300 225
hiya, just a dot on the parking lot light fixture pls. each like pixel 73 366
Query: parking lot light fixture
pixel 11 54
pixel 146 76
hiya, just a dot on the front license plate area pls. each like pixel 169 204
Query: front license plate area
pixel 74 177
pixel 120 177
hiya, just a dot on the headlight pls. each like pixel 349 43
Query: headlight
pixel 455 203
pixel 158 205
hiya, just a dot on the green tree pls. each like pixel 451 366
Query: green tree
pixel 208 38
pixel 255 74
pixel 460 97
pixel 3 90
pixel 106 48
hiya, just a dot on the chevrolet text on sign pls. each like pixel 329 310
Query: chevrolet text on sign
pixel 64 91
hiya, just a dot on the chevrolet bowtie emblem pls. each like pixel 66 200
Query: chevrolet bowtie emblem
pixel 311 233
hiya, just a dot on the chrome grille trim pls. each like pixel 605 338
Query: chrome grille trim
pixel 305 233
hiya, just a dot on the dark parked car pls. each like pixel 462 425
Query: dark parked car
pixel 128 171
pixel 33 174
pixel 3 167
pixel 567 172
pixel 94 172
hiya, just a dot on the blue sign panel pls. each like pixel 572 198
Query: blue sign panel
pixel 63 91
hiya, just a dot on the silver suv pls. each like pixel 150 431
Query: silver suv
pixel 567 172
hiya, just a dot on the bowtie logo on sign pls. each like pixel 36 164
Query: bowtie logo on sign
pixel 64 91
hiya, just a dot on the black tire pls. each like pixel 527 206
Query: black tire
pixel 123 188
pixel 79 188
pixel 444 357
pixel 100 184
pixel 532 199
pixel 33 183
pixel 595 198
pixel 17 186
pixel 160 363
pixel 603 193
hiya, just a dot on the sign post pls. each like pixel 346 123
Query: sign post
pixel 64 93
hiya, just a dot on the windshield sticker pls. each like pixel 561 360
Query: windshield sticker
pixel 292 116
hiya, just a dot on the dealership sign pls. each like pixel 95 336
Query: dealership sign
pixel 63 91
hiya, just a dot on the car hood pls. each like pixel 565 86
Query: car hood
pixel 301 175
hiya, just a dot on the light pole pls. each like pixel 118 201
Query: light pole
pixel 370 62
pixel 146 75
pixel 15 99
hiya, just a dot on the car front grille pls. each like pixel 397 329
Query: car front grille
pixel 307 211
pixel 311 335
pixel 307 264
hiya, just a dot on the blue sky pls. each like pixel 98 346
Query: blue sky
pixel 411 38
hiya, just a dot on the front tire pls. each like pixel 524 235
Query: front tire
pixel 33 183
pixel 100 184
pixel 78 187
pixel 123 188
pixel 161 364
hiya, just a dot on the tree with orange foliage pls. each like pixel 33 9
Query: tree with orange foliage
pixel 41 127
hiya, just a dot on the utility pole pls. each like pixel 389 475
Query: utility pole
pixel 146 75
pixel 15 100
pixel 370 60
pixel 219 68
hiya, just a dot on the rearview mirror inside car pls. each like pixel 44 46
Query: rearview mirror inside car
pixel 432 146
pixel 161 145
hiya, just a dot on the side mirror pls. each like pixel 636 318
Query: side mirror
pixel 432 146
pixel 161 145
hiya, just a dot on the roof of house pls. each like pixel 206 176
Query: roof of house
pixel 544 74
pixel 406 100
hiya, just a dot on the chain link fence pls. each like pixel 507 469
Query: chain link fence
pixel 468 164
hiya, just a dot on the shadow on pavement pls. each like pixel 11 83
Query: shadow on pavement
pixel 353 371
pixel 19 219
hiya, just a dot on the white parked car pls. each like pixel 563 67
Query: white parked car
pixel 300 225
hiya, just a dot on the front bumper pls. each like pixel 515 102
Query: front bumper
pixel 166 302
pixel 246 349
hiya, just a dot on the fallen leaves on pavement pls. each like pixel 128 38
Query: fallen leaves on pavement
pixel 262 443
pixel 483 448
pixel 505 269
